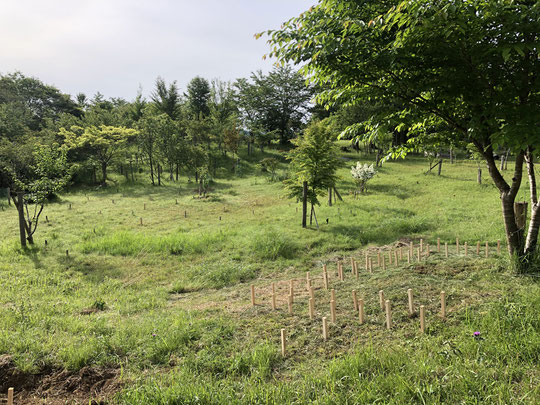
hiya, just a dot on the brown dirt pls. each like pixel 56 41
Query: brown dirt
pixel 90 385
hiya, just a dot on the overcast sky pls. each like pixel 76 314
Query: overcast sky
pixel 113 46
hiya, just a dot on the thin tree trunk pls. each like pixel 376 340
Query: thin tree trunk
pixel 479 177
pixel 177 172
pixel 159 174
pixel 440 168
pixel 311 216
pixel 104 173
pixel 19 204
pixel 330 196
pixel 151 161
pixel 304 203
pixel 534 225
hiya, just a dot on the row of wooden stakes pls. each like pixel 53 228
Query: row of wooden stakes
pixel 359 307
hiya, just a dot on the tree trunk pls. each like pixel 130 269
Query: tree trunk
pixel 330 196
pixel 151 161
pixel 440 168
pixel 479 177
pixel 304 203
pixel 177 172
pixel 104 173
pixel 159 174
pixel 19 204
pixel 311 216
pixel 9 196
pixel 534 225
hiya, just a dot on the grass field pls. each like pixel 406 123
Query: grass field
pixel 160 313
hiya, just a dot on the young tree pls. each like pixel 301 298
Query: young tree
pixel 33 172
pixel 106 143
pixel 167 99
pixel 471 65
pixel 313 165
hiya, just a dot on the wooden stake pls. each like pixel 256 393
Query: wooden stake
pixel 379 258
pixel 332 295
pixel 381 299
pixel 411 303
pixel 478 248
pixel 438 245
pixel 411 247
pixel 396 261
pixel 341 276
pixel 252 295
pixel 312 293
pixel 274 296
pixel 428 252
pixel 422 319
pixel 356 269
pixel 446 249
pixel 10 396
pixel 283 342
pixel 498 247
pixel 390 257
pixel 290 303
pixel 487 249
pixel 291 289
pixel 388 315
pixel 352 265
pixel 457 246
pixel 308 281
pixel 355 300
pixel 443 305
pixel 418 254
pixel 421 245
pixel 333 310
pixel 325 279
pixel 371 265
pixel 383 263
pixel 409 257
pixel 361 310
pixel 324 328
pixel 141 222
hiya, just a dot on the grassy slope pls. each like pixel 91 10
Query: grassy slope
pixel 168 301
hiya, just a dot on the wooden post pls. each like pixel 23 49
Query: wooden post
pixel 308 281
pixel 457 246
pixel 409 257
pixel 422 319
pixel 446 249
pixel 324 328
pixel 10 396
pixel 388 315
pixel 311 308
pixel 252 295
pixel 379 258
pixel 361 310
pixel 283 342
pixel 419 254
pixel 312 293
pixel 383 263
pixel 290 303
pixel 332 295
pixel 370 265
pixel 396 261
pixel 438 245
pixel 355 300
pixel 291 289
pixel 341 276
pixel 487 249
pixel 443 305
pixel 421 245
pixel 333 310
pixel 381 299
pixel 325 278
pixel 427 250
pixel 352 265
pixel 274 296
pixel 466 248
pixel 498 247
pixel 411 303
pixel 390 257
pixel 411 247
pixel 356 269
pixel 141 222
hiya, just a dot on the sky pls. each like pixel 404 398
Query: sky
pixel 117 46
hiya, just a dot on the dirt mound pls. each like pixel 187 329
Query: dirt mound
pixel 90 385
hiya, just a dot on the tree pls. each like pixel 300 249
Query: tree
pixel 106 143
pixel 471 66
pixel 167 99
pixel 314 162
pixel 198 97
pixel 33 172
pixel 277 102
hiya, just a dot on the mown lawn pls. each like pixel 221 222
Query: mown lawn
pixel 165 305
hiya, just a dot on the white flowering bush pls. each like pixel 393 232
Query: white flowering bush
pixel 362 173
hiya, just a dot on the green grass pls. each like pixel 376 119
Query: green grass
pixel 167 303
